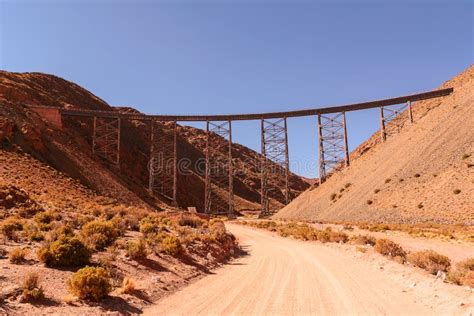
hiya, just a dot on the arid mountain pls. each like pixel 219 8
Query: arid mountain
pixel 423 173
pixel 69 150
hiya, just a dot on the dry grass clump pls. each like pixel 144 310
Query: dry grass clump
pixel 170 245
pixel 430 261
pixel 66 251
pixel 128 286
pixel 463 274
pixel 154 223
pixel 191 221
pixel 90 283
pixel 217 230
pixel 388 248
pixel 10 226
pixel 3 253
pixel 136 249
pixel 31 288
pixel 363 240
pixel 17 255
pixel 99 234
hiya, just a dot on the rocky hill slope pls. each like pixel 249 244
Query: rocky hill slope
pixel 423 173
pixel 69 150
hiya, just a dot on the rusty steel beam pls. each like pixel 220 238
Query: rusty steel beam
pixel 272 115
pixel 162 165
pixel 274 162
pixel 392 118
pixel 219 195
pixel 333 149
pixel 106 139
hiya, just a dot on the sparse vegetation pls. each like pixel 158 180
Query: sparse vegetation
pixel 462 274
pixel 465 156
pixel 128 286
pixel 191 221
pixel 333 196
pixel 430 261
pixel 31 288
pixel 391 249
pixel 18 255
pixel 99 234
pixel 10 226
pixel 170 245
pixel 417 175
pixel 456 191
pixel 388 180
pixel 136 249
pixel 363 240
pixel 90 283
pixel 66 251
pixel 376 191
pixel 369 202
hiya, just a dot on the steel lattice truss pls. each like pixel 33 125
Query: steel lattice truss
pixel 393 117
pixel 333 151
pixel 162 165
pixel 219 197
pixel 106 139
pixel 274 162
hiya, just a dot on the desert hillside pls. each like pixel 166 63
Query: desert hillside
pixel 69 150
pixel 423 173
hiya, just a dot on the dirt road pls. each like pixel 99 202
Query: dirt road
pixel 289 277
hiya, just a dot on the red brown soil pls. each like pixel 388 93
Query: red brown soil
pixel 425 173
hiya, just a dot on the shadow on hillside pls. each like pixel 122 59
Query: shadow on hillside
pixel 187 259
pixel 152 264
pixel 118 304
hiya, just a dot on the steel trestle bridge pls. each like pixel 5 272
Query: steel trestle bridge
pixel 219 197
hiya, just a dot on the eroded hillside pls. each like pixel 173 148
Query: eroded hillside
pixel 424 173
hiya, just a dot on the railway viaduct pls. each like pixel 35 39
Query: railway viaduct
pixel 163 171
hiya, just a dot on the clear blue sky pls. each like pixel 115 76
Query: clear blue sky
pixel 183 57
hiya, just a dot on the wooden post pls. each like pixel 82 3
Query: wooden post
pixel 382 125
pixel 346 147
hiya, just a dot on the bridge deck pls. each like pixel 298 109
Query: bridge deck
pixel 258 116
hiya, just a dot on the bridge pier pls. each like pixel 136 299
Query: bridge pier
pixel 391 119
pixel 106 138
pixel 219 186
pixel 332 144
pixel 163 160
pixel 274 161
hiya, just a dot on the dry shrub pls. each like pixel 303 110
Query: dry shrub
pixel 468 279
pixel 128 286
pixel 363 240
pixel 3 253
pixel 339 237
pixel 463 269
pixel 17 255
pixel 136 249
pixel 66 251
pixel 170 245
pixel 154 223
pixel 430 261
pixel 10 226
pixel 387 247
pixel 191 221
pixel 31 288
pixel 217 230
pixel 90 283
pixel 99 234
pixel 44 217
